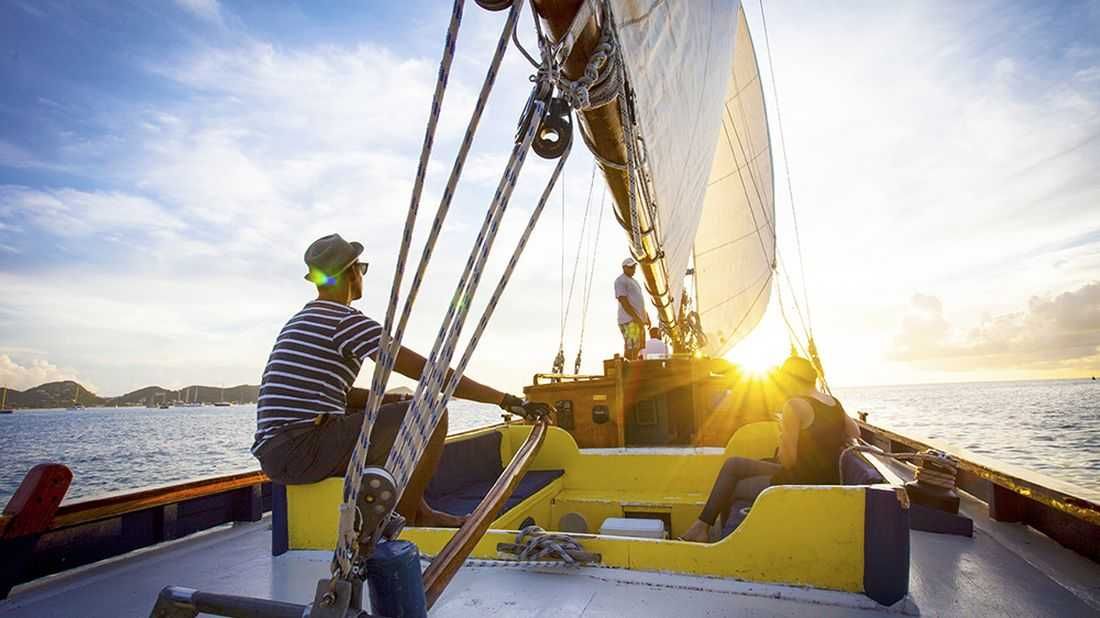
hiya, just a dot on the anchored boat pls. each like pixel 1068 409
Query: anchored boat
pixel 575 510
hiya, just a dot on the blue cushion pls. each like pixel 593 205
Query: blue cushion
pixel 465 462
pixel 463 500
pixel 468 469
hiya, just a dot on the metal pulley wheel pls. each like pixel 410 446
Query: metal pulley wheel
pixel 494 5
pixel 555 132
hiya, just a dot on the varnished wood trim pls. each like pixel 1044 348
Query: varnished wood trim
pixel 112 505
pixel 1051 492
pixel 454 553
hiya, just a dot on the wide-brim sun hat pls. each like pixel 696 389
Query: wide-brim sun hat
pixel 329 256
pixel 799 368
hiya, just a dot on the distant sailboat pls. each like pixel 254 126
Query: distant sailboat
pixel 76 405
pixel 191 399
pixel 222 403
pixel 4 409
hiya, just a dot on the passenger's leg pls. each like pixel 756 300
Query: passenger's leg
pixel 722 493
pixel 412 501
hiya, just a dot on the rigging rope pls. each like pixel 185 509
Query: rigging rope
pixel 589 279
pixel 424 414
pixel 786 168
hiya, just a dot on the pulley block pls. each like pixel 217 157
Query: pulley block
pixel 555 132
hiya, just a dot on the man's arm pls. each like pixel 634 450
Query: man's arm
pixel 411 365
pixel 357 398
pixel 629 309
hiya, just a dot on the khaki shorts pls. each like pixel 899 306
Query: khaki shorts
pixel 311 454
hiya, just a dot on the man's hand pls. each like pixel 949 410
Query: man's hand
pixel 528 410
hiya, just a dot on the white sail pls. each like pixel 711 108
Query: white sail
pixel 678 58
pixel 735 241
pixel 700 109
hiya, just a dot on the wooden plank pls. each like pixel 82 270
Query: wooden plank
pixel 1052 492
pixel 112 505
pixel 449 559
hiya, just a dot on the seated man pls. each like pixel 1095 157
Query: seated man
pixel 813 430
pixel 308 416
pixel 655 347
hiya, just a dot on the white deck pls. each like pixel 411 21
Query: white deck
pixel 1005 570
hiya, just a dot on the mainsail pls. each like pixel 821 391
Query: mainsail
pixel 700 110
pixel 703 181
pixel 735 239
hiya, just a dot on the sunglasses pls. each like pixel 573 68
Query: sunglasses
pixel 360 266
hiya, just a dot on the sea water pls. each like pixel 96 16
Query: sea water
pixel 1050 426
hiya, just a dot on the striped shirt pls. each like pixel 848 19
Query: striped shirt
pixel 312 367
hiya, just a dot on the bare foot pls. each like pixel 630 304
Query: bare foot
pixel 431 518
pixel 699 532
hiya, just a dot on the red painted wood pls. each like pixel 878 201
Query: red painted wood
pixel 32 508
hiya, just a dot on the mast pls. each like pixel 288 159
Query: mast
pixel 604 134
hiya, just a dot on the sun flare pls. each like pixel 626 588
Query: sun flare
pixel 763 350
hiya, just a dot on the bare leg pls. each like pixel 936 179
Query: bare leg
pixel 722 493
pixel 413 506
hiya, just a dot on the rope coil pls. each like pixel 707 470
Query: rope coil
pixel 535 544
pixel 602 78
pixel 934 467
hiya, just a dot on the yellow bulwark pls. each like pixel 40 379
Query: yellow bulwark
pixel 803 535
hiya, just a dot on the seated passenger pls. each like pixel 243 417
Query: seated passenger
pixel 654 346
pixel 308 417
pixel 813 430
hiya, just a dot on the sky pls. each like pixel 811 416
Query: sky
pixel 163 166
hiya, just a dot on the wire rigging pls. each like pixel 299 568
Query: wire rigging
pixel 786 167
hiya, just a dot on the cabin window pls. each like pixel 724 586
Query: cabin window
pixel 564 410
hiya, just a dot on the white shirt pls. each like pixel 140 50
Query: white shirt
pixel 628 287
pixel 655 348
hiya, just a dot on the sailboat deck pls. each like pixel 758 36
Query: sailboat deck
pixel 1005 569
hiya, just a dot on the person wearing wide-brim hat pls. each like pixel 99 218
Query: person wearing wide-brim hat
pixel 813 430
pixel 308 416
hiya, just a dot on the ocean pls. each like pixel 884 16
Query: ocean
pixel 1051 426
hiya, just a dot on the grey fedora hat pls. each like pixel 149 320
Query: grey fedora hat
pixel 329 256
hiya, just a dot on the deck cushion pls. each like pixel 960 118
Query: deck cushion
pixel 468 469
pixel 466 499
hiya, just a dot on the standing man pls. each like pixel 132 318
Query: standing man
pixel 308 416
pixel 633 320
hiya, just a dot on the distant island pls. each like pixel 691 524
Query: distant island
pixel 67 394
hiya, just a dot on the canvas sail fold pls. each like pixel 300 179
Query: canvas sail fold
pixel 735 239
pixel 700 109
pixel 678 58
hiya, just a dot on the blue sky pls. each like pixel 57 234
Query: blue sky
pixel 164 165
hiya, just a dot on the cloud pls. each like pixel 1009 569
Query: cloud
pixel 1053 333
pixel 209 10
pixel 73 213
pixel 21 377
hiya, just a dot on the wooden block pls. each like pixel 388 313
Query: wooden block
pixel 32 508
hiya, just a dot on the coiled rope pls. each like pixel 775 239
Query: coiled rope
pixel 535 544
pixel 933 467
pixel 602 78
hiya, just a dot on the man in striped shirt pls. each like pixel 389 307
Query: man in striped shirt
pixel 308 416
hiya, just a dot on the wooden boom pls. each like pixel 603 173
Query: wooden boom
pixel 603 130
pixel 454 553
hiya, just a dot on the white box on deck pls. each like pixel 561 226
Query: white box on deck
pixel 629 526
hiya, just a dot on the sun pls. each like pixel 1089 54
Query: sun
pixel 763 350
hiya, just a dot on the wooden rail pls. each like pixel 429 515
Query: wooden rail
pixel 1065 512
pixel 443 568
pixel 93 529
